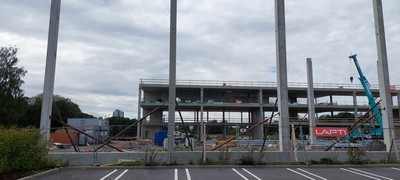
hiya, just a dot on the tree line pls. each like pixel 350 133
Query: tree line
pixel 18 110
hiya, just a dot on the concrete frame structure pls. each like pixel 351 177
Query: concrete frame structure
pixel 282 88
pixel 243 98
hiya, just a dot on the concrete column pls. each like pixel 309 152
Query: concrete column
pixel 355 106
pixel 398 101
pixel 331 102
pixel 223 115
pixel 224 129
pixel 224 120
pixel 201 114
pixel 280 38
pixel 156 116
pixel 172 80
pixel 383 75
pixel 48 87
pixel 258 131
pixel 139 111
pixel 249 116
pixel 241 117
pixel 310 99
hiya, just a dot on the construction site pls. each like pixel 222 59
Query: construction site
pixel 187 120
pixel 239 116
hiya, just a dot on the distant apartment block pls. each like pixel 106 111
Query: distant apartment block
pixel 118 113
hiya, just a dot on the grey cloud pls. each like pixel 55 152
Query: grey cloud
pixel 106 47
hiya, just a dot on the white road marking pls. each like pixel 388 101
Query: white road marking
pixel 176 174
pixel 241 175
pixel 251 174
pixel 354 172
pixel 126 170
pixel 109 174
pixel 383 177
pixel 188 174
pixel 311 174
pixel 396 168
pixel 300 174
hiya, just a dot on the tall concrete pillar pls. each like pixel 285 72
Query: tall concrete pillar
pixel 49 75
pixel 280 38
pixel 172 80
pixel 383 75
pixel 310 99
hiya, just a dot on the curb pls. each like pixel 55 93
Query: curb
pixel 41 174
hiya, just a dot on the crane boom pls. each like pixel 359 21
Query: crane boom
pixel 371 100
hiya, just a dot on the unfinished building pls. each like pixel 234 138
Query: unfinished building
pixel 244 103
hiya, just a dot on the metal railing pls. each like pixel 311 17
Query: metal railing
pixel 258 84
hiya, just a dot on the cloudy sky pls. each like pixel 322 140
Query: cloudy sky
pixel 106 46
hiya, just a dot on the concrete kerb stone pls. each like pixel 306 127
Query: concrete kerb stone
pixel 35 176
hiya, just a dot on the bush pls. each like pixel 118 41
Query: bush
pixel 207 162
pixel 150 157
pixel 250 158
pixel 355 155
pixel 22 151
pixel 326 160
pixel 224 155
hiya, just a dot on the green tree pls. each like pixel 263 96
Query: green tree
pixel 63 107
pixel 117 124
pixel 12 101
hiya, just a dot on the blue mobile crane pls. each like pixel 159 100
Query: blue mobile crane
pixel 374 131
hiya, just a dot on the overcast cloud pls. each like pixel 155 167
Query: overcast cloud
pixel 106 46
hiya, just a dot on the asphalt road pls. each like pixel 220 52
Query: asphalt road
pixel 225 173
